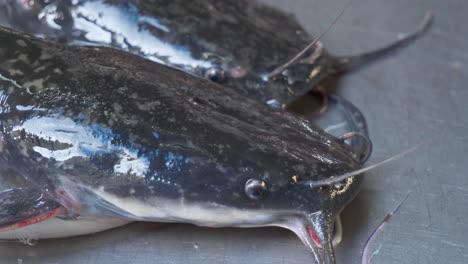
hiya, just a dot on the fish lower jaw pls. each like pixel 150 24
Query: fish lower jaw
pixel 59 228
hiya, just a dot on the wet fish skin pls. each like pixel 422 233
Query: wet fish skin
pixel 237 43
pixel 243 39
pixel 99 130
pixel 98 86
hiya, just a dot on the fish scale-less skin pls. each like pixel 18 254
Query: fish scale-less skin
pixel 246 39
pixel 237 43
pixel 221 138
pixel 107 134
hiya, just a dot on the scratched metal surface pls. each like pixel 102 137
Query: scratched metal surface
pixel 419 94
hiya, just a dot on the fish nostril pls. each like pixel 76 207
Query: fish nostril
pixel 255 189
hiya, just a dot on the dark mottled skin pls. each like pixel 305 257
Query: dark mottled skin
pixel 107 103
pixel 236 36
pixel 133 98
pixel 245 39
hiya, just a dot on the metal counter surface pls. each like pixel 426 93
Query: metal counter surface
pixel 417 95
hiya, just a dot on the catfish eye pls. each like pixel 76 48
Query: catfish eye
pixel 215 74
pixel 255 189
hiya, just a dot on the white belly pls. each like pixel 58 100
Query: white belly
pixel 56 228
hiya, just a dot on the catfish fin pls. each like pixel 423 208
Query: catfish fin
pixel 20 207
pixel 316 232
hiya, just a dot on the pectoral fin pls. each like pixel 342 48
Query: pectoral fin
pixel 21 207
pixel 316 232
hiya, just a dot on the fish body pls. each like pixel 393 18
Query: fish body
pixel 236 43
pixel 99 134
pixel 232 42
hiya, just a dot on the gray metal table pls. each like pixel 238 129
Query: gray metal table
pixel 417 95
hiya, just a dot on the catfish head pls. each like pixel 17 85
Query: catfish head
pixel 245 45
pixel 106 134
pixel 279 83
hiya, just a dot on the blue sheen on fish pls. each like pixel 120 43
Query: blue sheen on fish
pixel 79 126
pixel 237 43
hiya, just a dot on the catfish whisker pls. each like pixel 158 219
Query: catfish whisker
pixel 336 179
pixel 283 67
pixel 365 252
